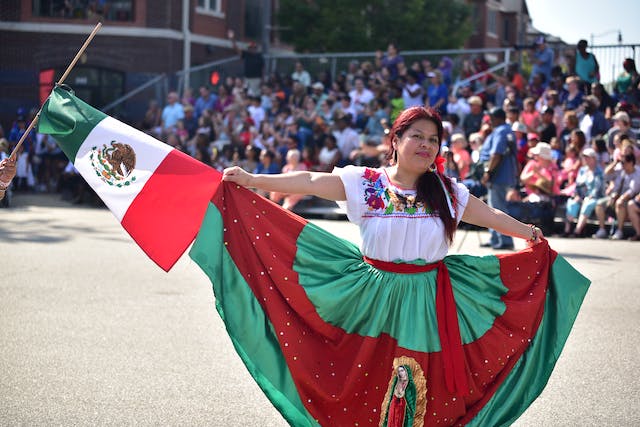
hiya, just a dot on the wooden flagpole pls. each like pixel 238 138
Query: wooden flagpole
pixel 62 79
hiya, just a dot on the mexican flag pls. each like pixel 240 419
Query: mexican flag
pixel 156 192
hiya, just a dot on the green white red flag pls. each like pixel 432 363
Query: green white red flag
pixel 156 192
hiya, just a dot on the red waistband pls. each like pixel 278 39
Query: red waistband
pixel 447 315
pixel 403 268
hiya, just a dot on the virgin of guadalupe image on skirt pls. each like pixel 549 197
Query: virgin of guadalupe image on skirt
pixel 405 402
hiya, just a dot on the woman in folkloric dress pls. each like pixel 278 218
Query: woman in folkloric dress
pixel 319 322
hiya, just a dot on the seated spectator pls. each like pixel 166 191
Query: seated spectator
pixel 573 98
pixel 593 123
pixel 522 145
pixel 552 101
pixel 267 163
pixel 251 158
pixel 396 101
pixel 360 98
pixel 587 191
pixel 537 85
pixel 476 140
pixel 621 126
pixel 473 120
pixel 458 106
pixel 607 103
pixel 347 139
pixel 293 164
pixel 633 208
pixel 152 119
pixel 569 170
pixel 577 139
pixel 540 174
pixel 225 101
pixel 547 129
pixel 171 113
pixel 602 154
pixel 624 188
pixel 301 75
pixel 450 166
pixel 377 118
pixel 460 155
pixel 530 116
pixel 614 168
pixel 329 155
pixel 556 150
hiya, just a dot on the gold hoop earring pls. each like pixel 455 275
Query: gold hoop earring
pixel 433 167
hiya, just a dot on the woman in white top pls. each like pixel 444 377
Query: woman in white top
pixel 342 318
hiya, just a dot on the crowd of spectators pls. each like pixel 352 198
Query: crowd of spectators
pixel 573 141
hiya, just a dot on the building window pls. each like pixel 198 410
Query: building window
pixel 505 30
pixel 109 10
pixel 475 19
pixel 492 22
pixel 210 7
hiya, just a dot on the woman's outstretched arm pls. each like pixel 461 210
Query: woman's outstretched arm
pixel 479 213
pixel 320 184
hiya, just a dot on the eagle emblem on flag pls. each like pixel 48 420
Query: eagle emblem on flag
pixel 114 164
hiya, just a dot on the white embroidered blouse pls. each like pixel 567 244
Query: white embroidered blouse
pixel 393 227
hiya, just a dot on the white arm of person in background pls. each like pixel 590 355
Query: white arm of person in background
pixel 7 172
pixel 329 186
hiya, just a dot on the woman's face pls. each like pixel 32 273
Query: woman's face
pixel 417 147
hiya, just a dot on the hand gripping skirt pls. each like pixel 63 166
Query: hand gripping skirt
pixel 333 340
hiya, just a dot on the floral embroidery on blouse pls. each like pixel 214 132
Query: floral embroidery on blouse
pixel 379 197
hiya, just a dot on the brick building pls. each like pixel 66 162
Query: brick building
pixel 139 39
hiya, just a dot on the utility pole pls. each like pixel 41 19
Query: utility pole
pixel 266 26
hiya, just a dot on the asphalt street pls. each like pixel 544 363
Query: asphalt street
pixel 93 333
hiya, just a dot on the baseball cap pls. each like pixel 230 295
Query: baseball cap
pixel 540 40
pixel 498 113
pixel 474 100
pixel 519 127
pixel 589 152
pixel 623 116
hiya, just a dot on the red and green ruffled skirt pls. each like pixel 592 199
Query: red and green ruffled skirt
pixel 324 332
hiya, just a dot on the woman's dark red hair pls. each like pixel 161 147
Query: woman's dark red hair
pixel 428 188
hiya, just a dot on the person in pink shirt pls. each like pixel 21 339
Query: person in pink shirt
pixel 570 166
pixel 541 171
pixel 530 116
pixel 293 164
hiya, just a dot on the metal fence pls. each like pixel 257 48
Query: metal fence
pixel 610 58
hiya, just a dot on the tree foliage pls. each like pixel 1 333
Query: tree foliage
pixel 366 25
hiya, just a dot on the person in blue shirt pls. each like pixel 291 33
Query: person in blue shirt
pixel 498 154
pixel 437 92
pixel 542 60
pixel 206 101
